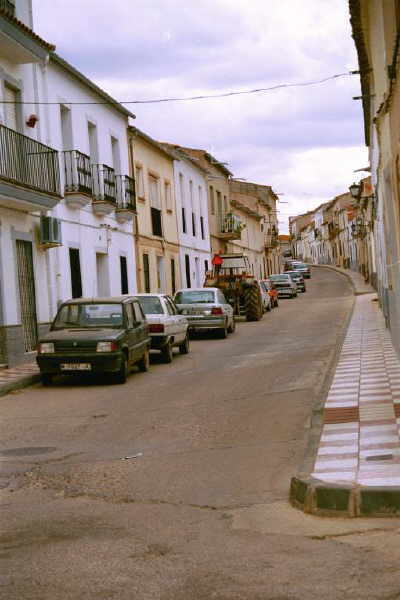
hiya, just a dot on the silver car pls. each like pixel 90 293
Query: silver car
pixel 284 284
pixel 206 308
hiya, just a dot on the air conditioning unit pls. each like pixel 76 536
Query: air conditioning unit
pixel 50 232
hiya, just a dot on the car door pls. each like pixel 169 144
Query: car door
pixel 142 330
pixel 180 321
pixel 132 334
pixel 227 308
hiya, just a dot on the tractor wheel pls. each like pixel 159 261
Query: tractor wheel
pixel 253 303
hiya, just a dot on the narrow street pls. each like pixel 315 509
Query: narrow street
pixel 201 511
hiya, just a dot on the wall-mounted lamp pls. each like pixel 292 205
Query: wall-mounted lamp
pixel 355 190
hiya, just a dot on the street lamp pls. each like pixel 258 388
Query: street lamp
pixel 355 190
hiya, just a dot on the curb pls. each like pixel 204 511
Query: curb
pixel 19 383
pixel 317 497
pixel 357 292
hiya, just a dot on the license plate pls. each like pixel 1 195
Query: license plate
pixel 76 367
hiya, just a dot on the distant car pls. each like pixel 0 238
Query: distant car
pixel 166 326
pixel 206 308
pixel 266 298
pixel 298 279
pixel 271 290
pixel 284 284
pixel 95 336
pixel 303 268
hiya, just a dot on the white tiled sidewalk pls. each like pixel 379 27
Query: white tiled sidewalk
pixel 360 440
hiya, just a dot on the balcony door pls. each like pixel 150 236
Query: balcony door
pixel 27 294
pixel 10 107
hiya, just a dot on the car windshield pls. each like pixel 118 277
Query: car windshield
pixel 89 315
pixel 300 266
pixel 279 278
pixel 294 274
pixel 151 305
pixel 195 297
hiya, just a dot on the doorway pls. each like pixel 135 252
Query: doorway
pixel 27 294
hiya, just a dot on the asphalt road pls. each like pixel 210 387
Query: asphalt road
pixel 200 512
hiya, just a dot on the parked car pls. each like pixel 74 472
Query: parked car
pixel 95 336
pixel 166 326
pixel 303 268
pixel 206 308
pixel 284 284
pixel 271 290
pixel 298 279
pixel 266 298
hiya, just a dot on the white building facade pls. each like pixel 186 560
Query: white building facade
pixel 66 202
pixel 192 216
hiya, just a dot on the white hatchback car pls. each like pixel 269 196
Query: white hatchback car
pixel 167 327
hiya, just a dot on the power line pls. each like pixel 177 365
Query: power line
pixel 191 98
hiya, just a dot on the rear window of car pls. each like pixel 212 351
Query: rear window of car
pixel 195 297
pixel 151 305
pixel 89 315
pixel 279 278
pixel 300 266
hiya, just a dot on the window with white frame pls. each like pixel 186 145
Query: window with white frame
pixel 139 181
pixel 155 205
pixel 168 196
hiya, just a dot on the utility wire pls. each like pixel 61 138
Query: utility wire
pixel 191 98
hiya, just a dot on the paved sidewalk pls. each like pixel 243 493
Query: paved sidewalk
pixel 18 377
pixel 360 441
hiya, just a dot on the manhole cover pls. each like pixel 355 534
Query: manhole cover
pixel 380 457
pixel 27 451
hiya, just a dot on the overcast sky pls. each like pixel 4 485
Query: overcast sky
pixel 304 142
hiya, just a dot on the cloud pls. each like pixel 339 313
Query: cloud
pixel 303 141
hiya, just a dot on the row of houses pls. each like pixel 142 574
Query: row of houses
pixel 340 232
pixel 92 205
pixel 360 229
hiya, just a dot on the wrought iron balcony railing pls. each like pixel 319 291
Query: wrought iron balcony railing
pixel 126 192
pixel 29 163
pixel 104 183
pixel 8 6
pixel 78 172
pixel 230 224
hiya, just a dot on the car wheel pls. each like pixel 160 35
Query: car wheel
pixel 223 333
pixel 167 353
pixel 184 347
pixel 144 362
pixel 122 374
pixel 47 379
pixel 231 328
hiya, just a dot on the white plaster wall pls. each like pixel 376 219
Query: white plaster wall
pixel 194 246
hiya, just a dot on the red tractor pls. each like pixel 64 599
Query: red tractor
pixel 232 275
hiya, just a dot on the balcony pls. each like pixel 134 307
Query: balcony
pixel 271 240
pixel 229 227
pixel 104 190
pixel 29 172
pixel 126 198
pixel 8 7
pixel 78 178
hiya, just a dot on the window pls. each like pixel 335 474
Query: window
pixel 202 227
pixel 130 317
pixel 103 280
pixel 173 276
pixel 146 273
pixel 155 206
pixel 206 265
pixel 66 127
pixel 124 274
pixel 116 158
pixel 169 307
pixel 10 108
pixel 139 316
pixel 187 269
pixel 76 278
pixel 139 181
pixel 167 195
pixel 193 224
pixel 225 204
pixel 172 305
pixel 219 203
pixel 151 305
pixel 184 229
pixel 93 143
pixel 212 200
